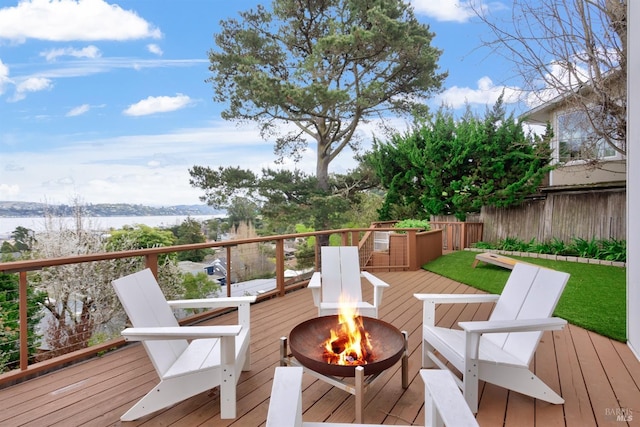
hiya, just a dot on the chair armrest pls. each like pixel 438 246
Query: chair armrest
pixel 429 302
pixel 519 325
pixel 316 280
pixel 378 287
pixel 374 280
pixel 473 330
pixel 457 298
pixel 180 332
pixel 285 405
pixel 243 304
pixel 444 401
pixel 212 302
pixel 315 285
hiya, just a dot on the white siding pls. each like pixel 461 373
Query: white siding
pixel 633 179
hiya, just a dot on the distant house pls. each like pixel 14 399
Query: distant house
pixel 583 197
pixel 583 159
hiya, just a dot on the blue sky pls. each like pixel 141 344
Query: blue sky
pixel 105 101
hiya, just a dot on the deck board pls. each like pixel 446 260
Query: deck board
pixel 594 374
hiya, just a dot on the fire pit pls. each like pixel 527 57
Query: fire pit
pixel 306 343
pixel 348 352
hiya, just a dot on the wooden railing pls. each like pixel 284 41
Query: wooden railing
pixel 354 237
pixel 458 235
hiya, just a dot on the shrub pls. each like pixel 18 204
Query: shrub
pixel 422 224
pixel 609 250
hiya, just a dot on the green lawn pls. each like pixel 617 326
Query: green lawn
pixel 594 298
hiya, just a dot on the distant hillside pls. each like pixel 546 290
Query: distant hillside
pixel 30 209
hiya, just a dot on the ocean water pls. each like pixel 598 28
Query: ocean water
pixel 103 223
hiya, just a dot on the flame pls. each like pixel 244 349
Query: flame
pixel 349 343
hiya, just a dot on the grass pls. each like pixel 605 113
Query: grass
pixel 594 298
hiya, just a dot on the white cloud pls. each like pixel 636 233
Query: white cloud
pixel 86 52
pixel 485 94
pixel 557 82
pixel 445 10
pixel 155 49
pixel 4 76
pixel 79 110
pixel 31 84
pixel 8 191
pixel 67 20
pixel 158 104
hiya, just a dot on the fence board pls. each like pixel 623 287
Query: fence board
pixel 599 214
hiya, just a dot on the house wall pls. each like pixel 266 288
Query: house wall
pixel 577 174
pixel 591 214
pixel 633 178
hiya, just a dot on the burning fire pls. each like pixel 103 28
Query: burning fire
pixel 349 343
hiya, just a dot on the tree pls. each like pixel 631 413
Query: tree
pixel 241 210
pixel 23 238
pixel 317 69
pixel 80 298
pixel 575 50
pixel 455 167
pixel 199 286
pixel 190 231
pixel 10 321
pixel 284 198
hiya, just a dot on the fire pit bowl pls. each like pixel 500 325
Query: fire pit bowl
pixel 306 339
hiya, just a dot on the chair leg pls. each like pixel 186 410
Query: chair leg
pixel 427 349
pixel 166 393
pixel 470 384
pixel 520 379
pixel 228 378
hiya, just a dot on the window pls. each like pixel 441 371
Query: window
pixel 578 141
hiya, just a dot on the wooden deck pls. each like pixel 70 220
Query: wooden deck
pixel 597 377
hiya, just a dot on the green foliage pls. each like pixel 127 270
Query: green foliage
pixel 594 298
pixel 356 60
pixel 24 239
pixel 285 197
pixel 422 224
pixel 190 231
pixel 7 248
pixel 586 248
pixel 10 320
pixel 141 236
pixel 446 166
pixel 609 250
pixel 199 286
pixel 613 250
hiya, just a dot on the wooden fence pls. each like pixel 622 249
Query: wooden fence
pixel 599 214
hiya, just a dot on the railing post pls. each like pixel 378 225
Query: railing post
pixel 151 261
pixel 345 238
pixel 228 279
pixel 24 322
pixel 412 252
pixel 280 266
pixel 355 238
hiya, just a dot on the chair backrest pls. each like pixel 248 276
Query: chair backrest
pixel 146 306
pixel 340 273
pixel 531 292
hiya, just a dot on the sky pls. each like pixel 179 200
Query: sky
pixel 105 101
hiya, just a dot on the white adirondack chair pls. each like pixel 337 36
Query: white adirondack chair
pixel 500 349
pixel 340 277
pixel 444 402
pixel 188 359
